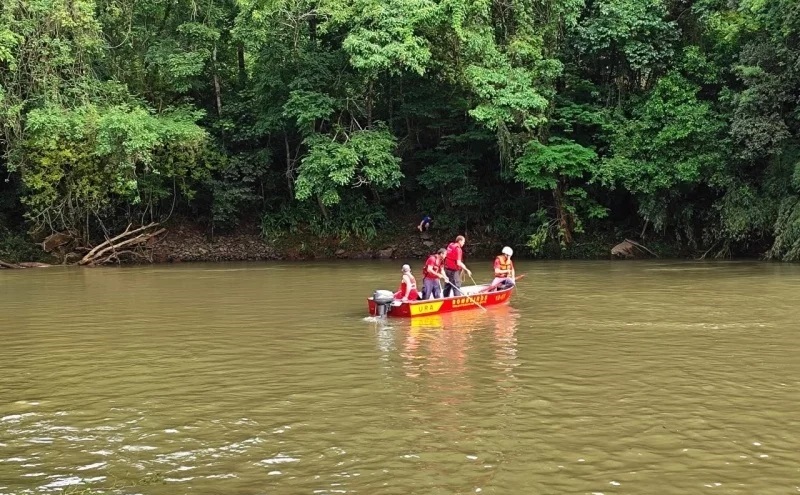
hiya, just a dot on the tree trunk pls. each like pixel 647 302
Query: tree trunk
pixel 370 95
pixel 312 28
pixel 563 216
pixel 216 81
pixel 322 207
pixel 289 167
pixel 242 73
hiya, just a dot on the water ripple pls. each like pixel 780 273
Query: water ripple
pixel 599 378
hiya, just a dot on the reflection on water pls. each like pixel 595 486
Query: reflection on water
pixel 599 377
pixel 436 350
pixel 440 344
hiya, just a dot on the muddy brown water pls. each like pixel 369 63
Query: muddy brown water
pixel 599 377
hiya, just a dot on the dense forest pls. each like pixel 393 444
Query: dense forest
pixel 537 121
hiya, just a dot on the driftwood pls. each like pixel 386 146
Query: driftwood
pixel 627 249
pixel 130 243
pixel 23 264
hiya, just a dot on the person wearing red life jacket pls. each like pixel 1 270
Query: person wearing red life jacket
pixel 432 273
pixel 453 264
pixel 504 273
pixel 408 286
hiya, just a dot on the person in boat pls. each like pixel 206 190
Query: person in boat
pixel 408 286
pixel 425 223
pixel 432 273
pixel 504 273
pixel 453 264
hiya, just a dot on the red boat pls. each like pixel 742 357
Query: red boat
pixel 383 302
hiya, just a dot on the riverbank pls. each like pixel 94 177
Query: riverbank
pixel 188 242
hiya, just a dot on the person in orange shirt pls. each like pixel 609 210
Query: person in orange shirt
pixel 408 286
pixel 504 273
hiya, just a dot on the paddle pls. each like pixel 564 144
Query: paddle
pixel 494 286
pixel 473 301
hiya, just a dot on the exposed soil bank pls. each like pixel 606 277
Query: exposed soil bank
pixel 187 242
pixel 184 243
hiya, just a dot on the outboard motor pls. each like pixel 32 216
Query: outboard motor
pixel 383 301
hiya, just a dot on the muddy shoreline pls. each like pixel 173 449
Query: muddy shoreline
pixel 185 242
pixel 189 244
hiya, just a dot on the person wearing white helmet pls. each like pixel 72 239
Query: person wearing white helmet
pixel 504 273
pixel 408 286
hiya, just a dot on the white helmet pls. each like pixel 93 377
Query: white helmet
pixel 508 251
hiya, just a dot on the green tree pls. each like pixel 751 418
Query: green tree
pixel 668 152
pixel 86 162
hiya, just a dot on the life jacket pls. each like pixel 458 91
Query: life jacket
pixel 437 266
pixel 404 287
pixel 451 258
pixel 413 295
pixel 505 263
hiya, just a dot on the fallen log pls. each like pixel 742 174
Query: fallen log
pixel 110 242
pixel 122 244
pixel 23 264
pixel 641 247
pixel 117 256
pixel 33 264
pixel 627 249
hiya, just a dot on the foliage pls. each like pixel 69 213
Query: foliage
pixel 633 37
pixel 542 166
pixel 237 185
pixel 672 145
pixel 360 158
pixel 385 34
pixel 46 48
pixel 354 218
pixel 90 159
pixel 783 186
pixel 553 167
pixel 528 120
pixel 787 228
pixel 16 247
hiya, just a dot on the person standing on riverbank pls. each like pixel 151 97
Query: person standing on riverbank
pixel 453 264
pixel 432 273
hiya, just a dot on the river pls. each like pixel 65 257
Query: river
pixel 599 377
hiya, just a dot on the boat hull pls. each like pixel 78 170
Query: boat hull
pixel 446 305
